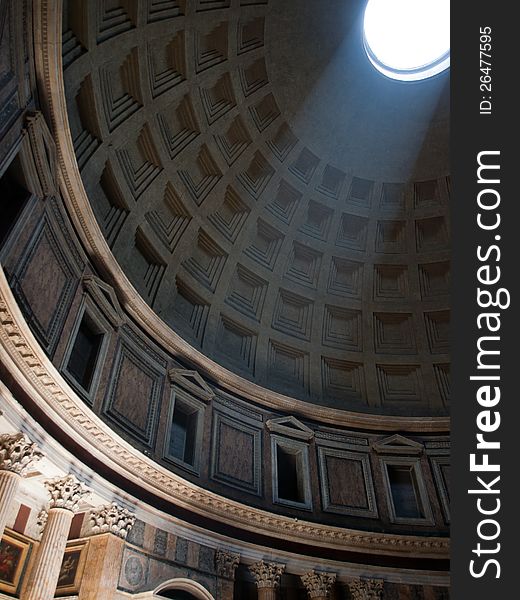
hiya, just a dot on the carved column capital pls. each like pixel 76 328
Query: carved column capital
pixel 366 589
pixel 17 453
pixel 112 518
pixel 226 563
pixel 65 492
pixel 318 584
pixel 267 574
pixel 41 520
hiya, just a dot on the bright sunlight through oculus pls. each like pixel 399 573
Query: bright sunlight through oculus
pixel 408 39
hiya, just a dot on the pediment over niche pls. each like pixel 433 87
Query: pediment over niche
pixel 398 444
pixel 290 427
pixel 105 299
pixel 44 154
pixel 192 382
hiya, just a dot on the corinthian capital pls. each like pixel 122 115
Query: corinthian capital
pixel 226 563
pixel 65 492
pixel 17 453
pixel 112 519
pixel 267 574
pixel 318 584
pixel 366 589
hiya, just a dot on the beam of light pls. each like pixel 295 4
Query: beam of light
pixel 408 39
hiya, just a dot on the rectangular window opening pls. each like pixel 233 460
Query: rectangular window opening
pixel 289 473
pixel 13 198
pixel 184 433
pixel 404 489
pixel 85 351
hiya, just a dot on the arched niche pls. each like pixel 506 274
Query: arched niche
pixel 182 589
pixel 177 595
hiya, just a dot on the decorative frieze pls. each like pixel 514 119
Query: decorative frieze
pixel 267 574
pixel 65 492
pixel 318 584
pixel 112 519
pixel 17 453
pixel 366 589
pixel 226 563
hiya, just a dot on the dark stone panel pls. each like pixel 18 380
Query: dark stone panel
pixel 160 544
pixel 181 551
pixel 207 559
pixel 136 534
pixel 135 390
pixel 236 453
pixel 236 459
pixel 346 482
pixel 43 271
pixel 44 283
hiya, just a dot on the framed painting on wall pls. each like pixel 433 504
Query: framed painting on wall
pixel 14 554
pixel 72 567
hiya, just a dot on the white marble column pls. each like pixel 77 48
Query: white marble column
pixel 267 576
pixel 318 584
pixel 65 496
pixel 366 589
pixel 17 454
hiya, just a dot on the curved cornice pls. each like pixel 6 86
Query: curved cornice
pixel 250 551
pixel 47 35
